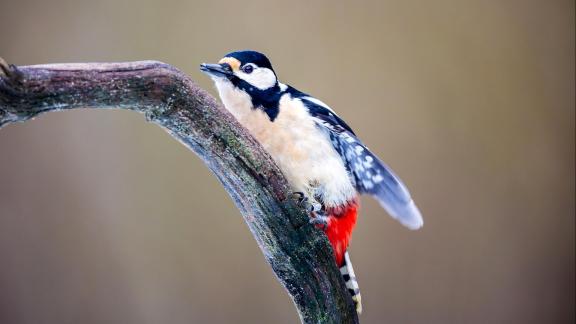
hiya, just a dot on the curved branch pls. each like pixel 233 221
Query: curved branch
pixel 300 257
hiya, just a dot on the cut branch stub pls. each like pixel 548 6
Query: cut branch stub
pixel 299 254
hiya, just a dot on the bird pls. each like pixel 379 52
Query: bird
pixel 323 160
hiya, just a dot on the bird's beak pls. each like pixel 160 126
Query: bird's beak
pixel 219 70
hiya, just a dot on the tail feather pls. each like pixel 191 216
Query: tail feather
pixel 347 272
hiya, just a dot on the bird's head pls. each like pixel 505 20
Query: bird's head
pixel 246 79
pixel 247 70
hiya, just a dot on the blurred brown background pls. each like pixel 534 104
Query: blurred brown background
pixel 105 218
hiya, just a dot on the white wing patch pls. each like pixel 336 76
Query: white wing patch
pixel 319 103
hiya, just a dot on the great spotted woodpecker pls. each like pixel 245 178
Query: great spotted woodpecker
pixel 321 157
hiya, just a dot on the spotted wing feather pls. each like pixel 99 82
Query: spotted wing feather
pixel 370 174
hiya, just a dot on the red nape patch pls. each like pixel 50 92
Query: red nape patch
pixel 339 230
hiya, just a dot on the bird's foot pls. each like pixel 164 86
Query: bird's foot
pixel 304 202
pixel 314 209
pixel 320 220
pixel 297 196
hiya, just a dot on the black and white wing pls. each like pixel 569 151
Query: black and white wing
pixel 371 175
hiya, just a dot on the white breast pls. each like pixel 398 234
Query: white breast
pixel 303 152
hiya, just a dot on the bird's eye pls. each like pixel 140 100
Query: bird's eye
pixel 248 68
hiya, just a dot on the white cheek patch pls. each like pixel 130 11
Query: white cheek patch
pixel 261 78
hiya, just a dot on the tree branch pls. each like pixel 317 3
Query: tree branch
pixel 299 254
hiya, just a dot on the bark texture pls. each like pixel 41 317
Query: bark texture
pixel 299 254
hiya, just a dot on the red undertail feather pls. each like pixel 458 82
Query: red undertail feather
pixel 340 226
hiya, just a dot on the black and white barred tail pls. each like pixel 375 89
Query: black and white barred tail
pixel 351 284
